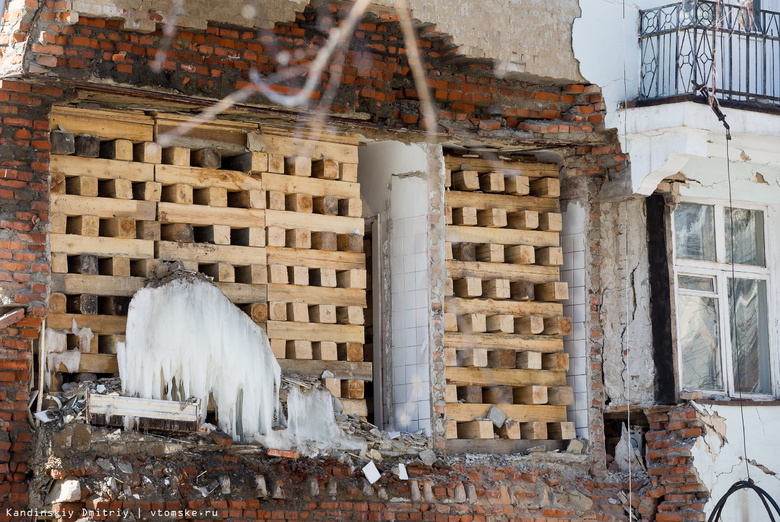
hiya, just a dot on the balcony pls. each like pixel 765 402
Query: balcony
pixel 687 43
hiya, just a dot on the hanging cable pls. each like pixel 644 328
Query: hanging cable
pixel 625 351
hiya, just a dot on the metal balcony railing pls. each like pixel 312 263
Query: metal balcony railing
pixel 684 44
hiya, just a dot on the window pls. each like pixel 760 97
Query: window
pixel 723 316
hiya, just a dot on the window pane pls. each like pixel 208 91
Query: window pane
pixel 702 284
pixel 748 228
pixel 750 337
pixel 694 231
pixel 699 342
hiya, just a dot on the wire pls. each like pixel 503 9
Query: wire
pixel 715 105
pixel 733 309
pixel 625 352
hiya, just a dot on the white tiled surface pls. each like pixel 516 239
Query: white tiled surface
pixel 409 288
pixel 573 273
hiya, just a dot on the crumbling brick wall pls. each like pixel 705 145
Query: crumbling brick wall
pixel 44 41
pixel 24 267
pixel 533 488
pixel 675 494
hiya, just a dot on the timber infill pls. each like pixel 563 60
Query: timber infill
pixel 280 233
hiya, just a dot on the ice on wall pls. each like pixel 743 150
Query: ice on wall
pixel 311 426
pixel 186 339
pixel 57 354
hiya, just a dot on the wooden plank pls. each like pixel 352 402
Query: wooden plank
pixel 319 222
pixel 94 363
pixel 229 135
pixel 500 446
pixel 501 236
pixel 241 293
pixel 312 186
pixel 71 205
pixel 340 369
pixel 485 270
pixel 317 295
pixel 208 253
pixel 103 324
pixel 524 167
pixel 517 412
pixel 137 407
pixel 508 202
pixel 206 178
pixel 317 258
pixel 502 306
pixel 561 431
pixel 504 377
pixel 538 343
pixel 202 215
pixel 475 430
pixel 104 123
pixel 315 146
pixel 338 333
pixel 102 246
pixel 357 407
pixel 73 284
pixel 101 168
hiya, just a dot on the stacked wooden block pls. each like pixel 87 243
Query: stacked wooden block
pixel 280 232
pixel 316 265
pixel 504 323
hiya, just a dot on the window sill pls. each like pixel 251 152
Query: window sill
pixel 737 402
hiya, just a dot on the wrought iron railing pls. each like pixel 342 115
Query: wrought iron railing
pixel 686 43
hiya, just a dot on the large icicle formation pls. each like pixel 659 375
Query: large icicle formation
pixel 311 426
pixel 186 339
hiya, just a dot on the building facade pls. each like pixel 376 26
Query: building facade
pixel 488 238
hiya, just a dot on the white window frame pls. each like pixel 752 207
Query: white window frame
pixel 721 270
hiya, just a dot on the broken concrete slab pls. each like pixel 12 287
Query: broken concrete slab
pixel 497 416
pixel 66 490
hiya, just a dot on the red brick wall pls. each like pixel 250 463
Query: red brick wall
pixel 24 267
pixel 530 492
pixel 211 64
pixel 675 493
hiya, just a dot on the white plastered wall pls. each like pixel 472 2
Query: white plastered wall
pixel 718 457
pixel 394 184
pixel 576 345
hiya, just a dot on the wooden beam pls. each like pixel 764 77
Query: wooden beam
pixel 340 369
pixel 504 377
pixel 501 236
pixel 517 412
pixel 539 343
pixel 101 168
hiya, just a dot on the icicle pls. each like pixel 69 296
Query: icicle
pixel 186 339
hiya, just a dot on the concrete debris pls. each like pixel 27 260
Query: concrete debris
pixel 460 493
pixel 428 492
pixel 261 491
pixel 626 455
pixel 70 404
pixel 371 473
pixel 224 484
pixel 576 446
pixel 388 444
pixel 68 490
pixel 277 491
pixel 536 449
pixel 428 457
pixel 313 487
pixel 497 416
pixel 415 488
